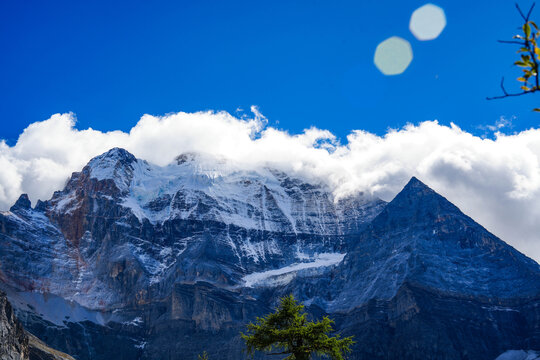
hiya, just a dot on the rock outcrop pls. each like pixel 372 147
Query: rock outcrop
pixel 13 339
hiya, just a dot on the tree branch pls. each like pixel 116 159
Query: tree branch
pixel 530 11
pixel 522 43
pixel 529 46
pixel 507 94
pixel 520 12
pixel 526 18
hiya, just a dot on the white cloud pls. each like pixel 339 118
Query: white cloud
pixel 495 181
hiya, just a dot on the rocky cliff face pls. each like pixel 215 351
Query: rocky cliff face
pixel 13 340
pixel 135 261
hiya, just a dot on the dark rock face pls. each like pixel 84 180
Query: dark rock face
pixel 419 323
pixel 134 261
pixel 13 340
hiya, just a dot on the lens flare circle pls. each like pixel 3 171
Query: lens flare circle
pixel 393 56
pixel 427 22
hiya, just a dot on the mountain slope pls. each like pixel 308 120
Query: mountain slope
pixel 422 238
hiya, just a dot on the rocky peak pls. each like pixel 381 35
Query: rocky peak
pixel 114 159
pixel 186 157
pixel 417 202
pixel 107 175
pixel 422 238
pixel 103 181
pixel 23 203
pixel 115 166
pixel 417 193
pixel 117 154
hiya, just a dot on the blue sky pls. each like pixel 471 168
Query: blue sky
pixel 304 63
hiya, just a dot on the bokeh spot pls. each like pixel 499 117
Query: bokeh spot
pixel 393 56
pixel 427 22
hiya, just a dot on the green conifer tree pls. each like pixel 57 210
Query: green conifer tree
pixel 287 331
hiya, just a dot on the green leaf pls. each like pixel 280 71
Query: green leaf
pixel 522 79
pixel 536 109
pixel 527 30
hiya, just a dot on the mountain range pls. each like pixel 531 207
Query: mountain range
pixel 136 261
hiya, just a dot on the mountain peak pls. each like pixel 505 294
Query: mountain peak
pixel 113 158
pixel 416 193
pixel 417 202
pixel 117 153
pixel 414 181
pixel 23 203
pixel 415 185
pixel 116 164
pixel 186 157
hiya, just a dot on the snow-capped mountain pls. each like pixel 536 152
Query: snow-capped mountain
pixel 132 257
pixel 184 222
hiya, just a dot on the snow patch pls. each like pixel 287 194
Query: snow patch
pixel 519 355
pixel 499 308
pixel 138 321
pixel 63 203
pixel 286 274
pixel 141 345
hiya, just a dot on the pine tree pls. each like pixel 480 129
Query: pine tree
pixel 287 331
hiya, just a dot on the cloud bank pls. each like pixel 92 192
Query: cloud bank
pixel 495 181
